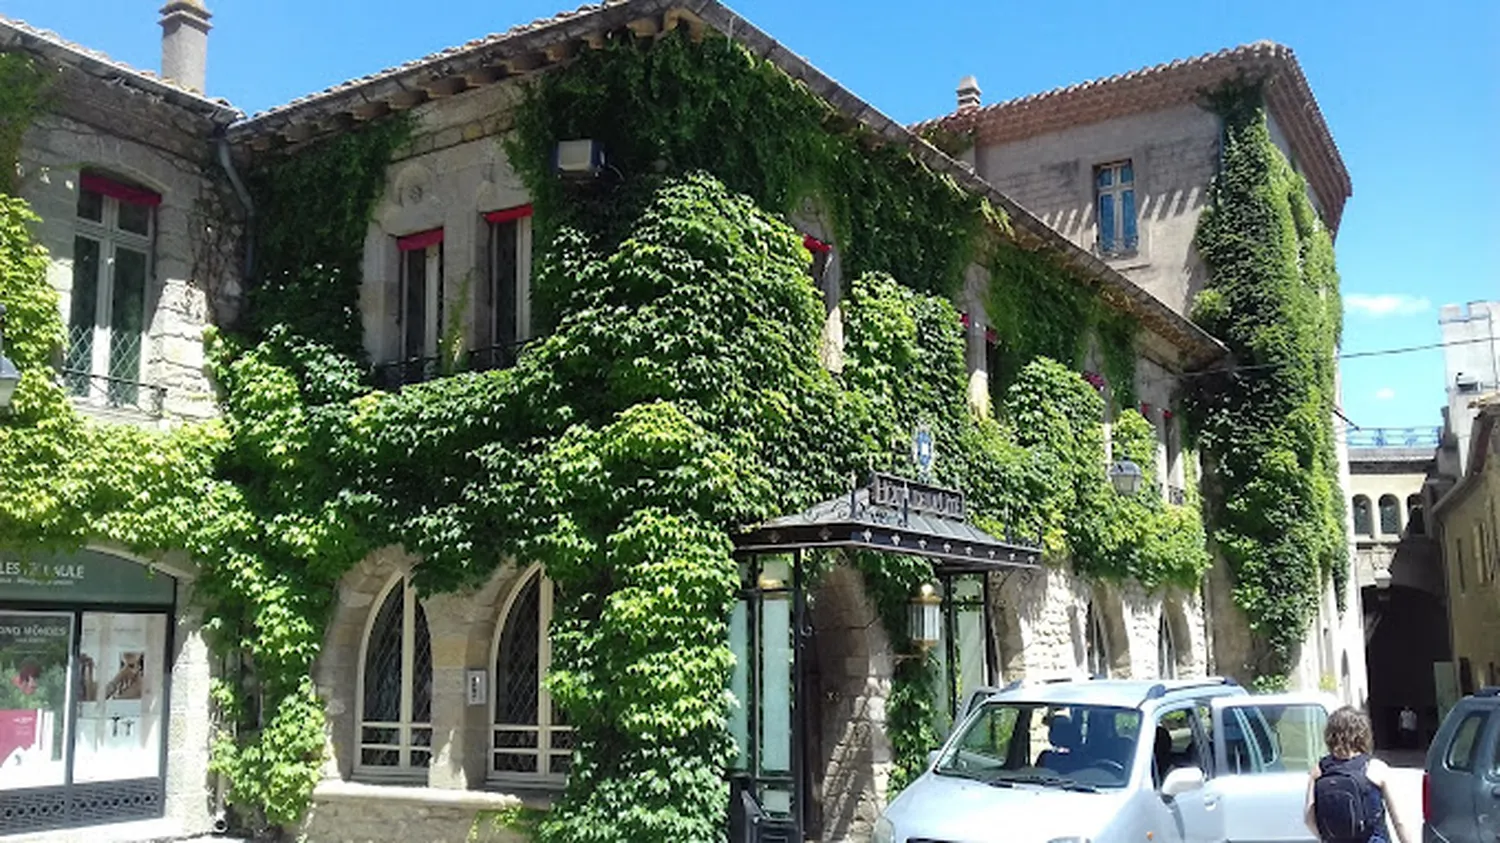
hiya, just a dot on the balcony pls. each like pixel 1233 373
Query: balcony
pixel 90 390
pixel 395 375
pixel 1396 437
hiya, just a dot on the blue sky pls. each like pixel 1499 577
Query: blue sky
pixel 1411 91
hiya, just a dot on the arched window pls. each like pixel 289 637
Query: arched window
pixel 1390 515
pixel 1364 525
pixel 395 698
pixel 529 740
pixel 1416 522
pixel 1098 650
pixel 1166 649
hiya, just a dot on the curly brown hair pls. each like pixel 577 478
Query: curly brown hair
pixel 1348 733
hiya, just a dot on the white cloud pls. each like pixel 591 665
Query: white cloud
pixel 1386 304
pixel 1385 393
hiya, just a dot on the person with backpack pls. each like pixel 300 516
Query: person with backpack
pixel 1349 792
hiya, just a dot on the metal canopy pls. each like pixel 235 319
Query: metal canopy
pixel 894 515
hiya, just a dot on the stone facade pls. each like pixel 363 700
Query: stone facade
pixel 192 268
pixel 1468 522
pixel 1471 362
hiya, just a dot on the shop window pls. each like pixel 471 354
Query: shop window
pixel 1097 648
pixel 530 740
pixel 83 692
pixel 505 308
pixel 1364 524
pixel 1416 522
pixel 114 226
pixel 1114 197
pixel 395 698
pixel 1166 650
pixel 1390 515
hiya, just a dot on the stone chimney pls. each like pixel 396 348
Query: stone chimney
pixel 968 94
pixel 184 43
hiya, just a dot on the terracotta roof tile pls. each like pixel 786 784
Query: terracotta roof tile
pixel 1169 84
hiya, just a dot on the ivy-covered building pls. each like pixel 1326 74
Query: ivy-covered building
pixel 1129 167
pixel 531 330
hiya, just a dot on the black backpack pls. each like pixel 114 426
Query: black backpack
pixel 1341 802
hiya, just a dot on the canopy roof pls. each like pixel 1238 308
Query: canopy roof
pixel 894 515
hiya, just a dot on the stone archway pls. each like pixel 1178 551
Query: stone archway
pixel 1406 632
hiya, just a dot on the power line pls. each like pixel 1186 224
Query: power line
pixel 1353 355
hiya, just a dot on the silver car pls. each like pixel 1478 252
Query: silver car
pixel 1108 761
pixel 1461 789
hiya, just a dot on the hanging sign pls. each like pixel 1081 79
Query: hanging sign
pixel 83 576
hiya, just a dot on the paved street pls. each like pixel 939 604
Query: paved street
pixel 1407 767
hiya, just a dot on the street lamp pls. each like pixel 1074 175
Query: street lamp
pixel 1126 477
pixel 10 376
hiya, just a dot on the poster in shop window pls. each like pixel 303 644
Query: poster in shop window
pixel 34 648
pixel 119 694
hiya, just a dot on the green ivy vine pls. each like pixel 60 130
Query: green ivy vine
pixel 676 395
pixel 1265 424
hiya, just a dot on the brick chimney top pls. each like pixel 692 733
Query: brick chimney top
pixel 968 94
pixel 184 43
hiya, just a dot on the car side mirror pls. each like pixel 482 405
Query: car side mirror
pixel 932 758
pixel 1182 780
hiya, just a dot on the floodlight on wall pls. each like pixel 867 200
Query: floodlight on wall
pixel 1126 477
pixel 10 376
pixel 582 158
pixel 926 627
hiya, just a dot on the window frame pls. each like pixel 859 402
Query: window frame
pixel 1369 516
pixel 404 771
pixel 122 388
pixel 546 729
pixel 1481 718
pixel 1124 238
pixel 492 338
pixel 1393 526
pixel 429 244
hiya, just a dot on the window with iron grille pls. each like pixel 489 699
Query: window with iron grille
pixel 114 227
pixel 1390 515
pixel 530 740
pixel 1114 205
pixel 1364 524
pixel 395 696
pixel 505 304
pixel 1166 650
pixel 1098 649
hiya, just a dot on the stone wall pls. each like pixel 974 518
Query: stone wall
pixel 1174 153
pixel 56 149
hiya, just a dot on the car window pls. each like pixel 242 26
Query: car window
pixel 1460 754
pixel 1175 744
pixel 1264 739
pixel 1073 745
pixel 1495 757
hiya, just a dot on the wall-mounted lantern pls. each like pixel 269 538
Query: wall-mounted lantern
pixel 1383 578
pixel 580 159
pixel 10 376
pixel 926 618
pixel 1126 477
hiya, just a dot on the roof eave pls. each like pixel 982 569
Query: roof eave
pixel 551 43
pixel 13 37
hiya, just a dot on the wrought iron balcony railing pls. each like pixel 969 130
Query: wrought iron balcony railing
pixel 115 393
pixel 394 375
pixel 1396 437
